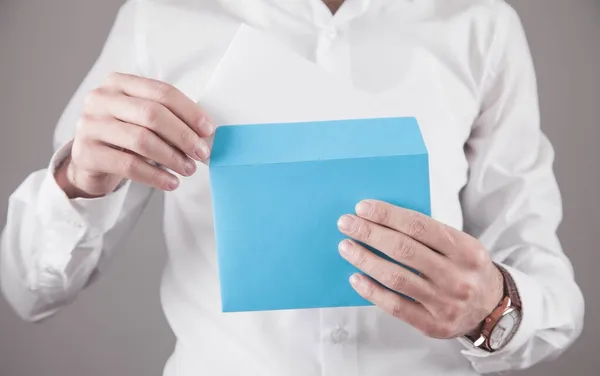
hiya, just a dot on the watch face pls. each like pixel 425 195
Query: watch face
pixel 505 329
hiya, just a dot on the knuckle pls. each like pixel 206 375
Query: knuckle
pixel 186 137
pixel 450 313
pixel 397 310
pixel 156 178
pixel 128 164
pixel 465 291
pixel 449 236
pixel 141 139
pixel 478 258
pixel 162 91
pixel 151 112
pixel 176 157
pixel 361 261
pixel 199 117
pixel 381 212
pixel 368 291
pixel 365 231
pixel 404 249
pixel 397 281
pixel 78 154
pixel 83 124
pixel 92 97
pixel 416 227
pixel 80 125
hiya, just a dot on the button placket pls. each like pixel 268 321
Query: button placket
pixel 339 341
pixel 339 335
pixel 332 33
pixel 333 51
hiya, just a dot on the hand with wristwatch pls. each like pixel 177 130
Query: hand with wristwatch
pixel 458 292
pixel 500 326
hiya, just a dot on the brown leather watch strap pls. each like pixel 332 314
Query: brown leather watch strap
pixel 510 299
pixel 510 288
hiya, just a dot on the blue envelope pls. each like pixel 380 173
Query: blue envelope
pixel 278 191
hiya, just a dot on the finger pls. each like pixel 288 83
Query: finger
pixel 389 274
pixel 109 160
pixel 408 311
pixel 141 141
pixel 155 117
pixel 167 95
pixel 396 245
pixel 434 234
pixel 400 247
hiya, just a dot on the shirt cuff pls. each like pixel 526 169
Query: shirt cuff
pixel 68 222
pixel 532 310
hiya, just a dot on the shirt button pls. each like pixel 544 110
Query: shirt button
pixel 332 33
pixel 339 335
pixel 74 224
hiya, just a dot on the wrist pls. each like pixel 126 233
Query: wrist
pixel 497 289
pixel 495 297
pixel 498 328
pixel 64 178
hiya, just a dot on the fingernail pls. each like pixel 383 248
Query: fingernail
pixel 202 150
pixel 190 167
pixel 207 126
pixel 346 223
pixel 364 209
pixel 355 280
pixel 173 182
pixel 345 247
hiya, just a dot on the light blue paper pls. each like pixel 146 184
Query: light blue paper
pixel 278 191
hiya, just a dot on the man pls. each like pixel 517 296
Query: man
pixel 495 290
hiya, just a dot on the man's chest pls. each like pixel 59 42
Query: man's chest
pixel 404 70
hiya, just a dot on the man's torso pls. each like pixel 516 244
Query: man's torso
pixel 418 58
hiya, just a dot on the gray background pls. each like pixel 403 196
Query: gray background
pixel 117 326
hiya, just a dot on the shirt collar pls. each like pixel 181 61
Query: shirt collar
pixel 312 11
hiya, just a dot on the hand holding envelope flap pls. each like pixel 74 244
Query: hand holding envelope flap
pixel 129 126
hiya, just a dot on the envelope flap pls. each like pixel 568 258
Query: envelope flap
pixel 315 141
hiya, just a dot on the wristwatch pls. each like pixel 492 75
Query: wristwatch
pixel 501 325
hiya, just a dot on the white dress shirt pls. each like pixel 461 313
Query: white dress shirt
pixel 462 67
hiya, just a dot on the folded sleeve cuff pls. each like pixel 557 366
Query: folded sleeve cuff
pixel 532 310
pixel 67 222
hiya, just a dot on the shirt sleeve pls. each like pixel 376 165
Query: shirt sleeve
pixel 512 204
pixel 52 245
